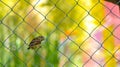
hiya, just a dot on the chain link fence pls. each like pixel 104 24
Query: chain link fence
pixel 78 33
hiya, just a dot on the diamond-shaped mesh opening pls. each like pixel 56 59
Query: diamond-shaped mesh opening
pixel 20 30
pixel 63 5
pixel 93 12
pixel 68 48
pixel 46 26
pixel 13 59
pixel 54 37
pixel 101 31
pixel 70 25
pixel 13 44
pixel 57 12
pixel 8 56
pixel 111 44
pixel 89 23
pixel 76 58
pixel 7 32
pixel 97 34
pixel 99 54
pixel 85 5
pixel 12 20
pixel 77 13
pixel 22 8
pixel 78 35
pixel 90 46
pixel 63 60
pixel 34 18
pixel 4 10
pixel 45 7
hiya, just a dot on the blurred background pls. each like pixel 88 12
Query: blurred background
pixel 78 33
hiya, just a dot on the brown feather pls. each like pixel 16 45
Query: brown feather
pixel 36 41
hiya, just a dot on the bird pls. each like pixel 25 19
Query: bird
pixel 35 42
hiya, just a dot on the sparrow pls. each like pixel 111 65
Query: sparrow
pixel 35 42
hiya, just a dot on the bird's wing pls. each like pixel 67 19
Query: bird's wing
pixel 34 43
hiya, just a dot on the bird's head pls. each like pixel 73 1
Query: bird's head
pixel 41 38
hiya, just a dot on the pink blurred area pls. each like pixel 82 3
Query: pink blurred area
pixel 112 13
pixel 112 18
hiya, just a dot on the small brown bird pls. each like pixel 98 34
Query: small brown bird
pixel 35 42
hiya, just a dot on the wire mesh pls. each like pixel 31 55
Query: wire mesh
pixel 77 33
